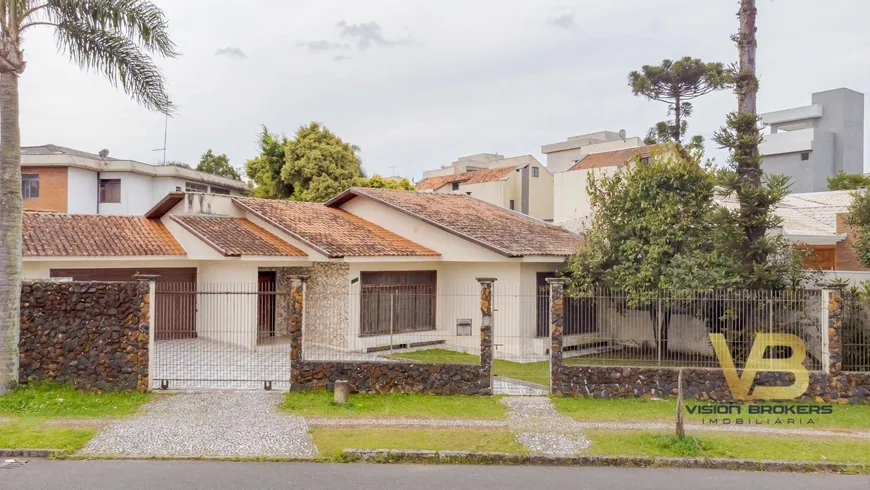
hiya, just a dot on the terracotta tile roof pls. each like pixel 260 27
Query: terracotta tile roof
pixel 333 232
pixel 82 235
pixel 507 232
pixel 612 158
pixel 474 177
pixel 234 237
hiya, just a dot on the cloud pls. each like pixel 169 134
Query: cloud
pixel 231 52
pixel 565 21
pixel 368 34
pixel 340 57
pixel 322 45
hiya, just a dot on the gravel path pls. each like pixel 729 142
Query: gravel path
pixel 213 424
pixel 542 429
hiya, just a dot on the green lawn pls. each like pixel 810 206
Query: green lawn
pixel 856 416
pixel 330 442
pixel 46 399
pixel 319 404
pixel 757 447
pixel 29 407
pixel 29 433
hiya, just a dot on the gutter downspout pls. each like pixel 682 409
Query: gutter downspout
pixel 98 192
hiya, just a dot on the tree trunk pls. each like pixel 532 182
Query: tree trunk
pixel 746 98
pixel 678 113
pixel 10 229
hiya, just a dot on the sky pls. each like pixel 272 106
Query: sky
pixel 418 84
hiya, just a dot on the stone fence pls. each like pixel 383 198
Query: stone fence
pixel 832 384
pixel 393 377
pixel 93 335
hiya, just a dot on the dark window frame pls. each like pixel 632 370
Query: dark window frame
pixel 414 302
pixel 194 187
pixel 805 156
pixel 220 190
pixel 511 204
pixel 28 183
pixel 535 171
pixel 455 186
pixel 107 197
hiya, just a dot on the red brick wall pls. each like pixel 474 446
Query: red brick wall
pixel 846 258
pixel 52 188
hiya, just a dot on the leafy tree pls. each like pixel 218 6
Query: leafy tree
pixel 115 38
pixel 757 193
pixel 858 217
pixel 217 165
pixel 379 182
pixel 314 165
pixel 653 227
pixel 847 182
pixel 676 83
pixel 264 170
pixel 319 164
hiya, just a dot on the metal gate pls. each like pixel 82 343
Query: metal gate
pixel 221 335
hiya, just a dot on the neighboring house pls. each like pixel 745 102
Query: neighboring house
pixel 815 220
pixel 570 200
pixel 518 183
pixel 428 246
pixel 814 142
pixel 563 155
pixel 55 178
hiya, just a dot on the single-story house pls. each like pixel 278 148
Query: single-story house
pixel 384 267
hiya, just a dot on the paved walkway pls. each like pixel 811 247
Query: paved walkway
pixel 214 424
pixel 542 429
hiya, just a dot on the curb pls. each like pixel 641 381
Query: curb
pixel 30 453
pixel 468 457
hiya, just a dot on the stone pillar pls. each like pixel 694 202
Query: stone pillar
pixel 835 330
pixel 557 325
pixel 297 307
pixel 486 354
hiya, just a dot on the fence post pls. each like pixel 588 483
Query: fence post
pixel 152 318
pixel 486 353
pixel 557 325
pixel 834 331
pixel 297 310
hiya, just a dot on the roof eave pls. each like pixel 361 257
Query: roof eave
pixel 165 205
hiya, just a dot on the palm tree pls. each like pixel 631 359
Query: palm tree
pixel 111 37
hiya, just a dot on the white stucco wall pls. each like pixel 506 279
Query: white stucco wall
pixel 570 199
pixel 498 192
pixel 40 269
pixel 82 191
pixel 228 317
pixel 136 194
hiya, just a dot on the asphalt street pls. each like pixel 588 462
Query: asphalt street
pixel 64 475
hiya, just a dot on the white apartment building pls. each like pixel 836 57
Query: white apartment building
pixel 519 183
pixel 54 178
pixel 814 142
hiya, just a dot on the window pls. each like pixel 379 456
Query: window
pixel 468 193
pixel 191 187
pixel 805 156
pixel 30 186
pixel 397 302
pixel 220 190
pixel 644 160
pixel 455 186
pixel 110 190
pixel 535 171
pixel 511 204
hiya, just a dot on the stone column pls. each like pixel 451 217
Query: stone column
pixel 297 307
pixel 486 353
pixel 557 325
pixel 835 330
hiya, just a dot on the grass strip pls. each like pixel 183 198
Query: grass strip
pixel 332 441
pixel 319 404
pixel 47 399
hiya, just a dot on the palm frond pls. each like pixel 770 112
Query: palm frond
pixel 140 21
pixel 118 58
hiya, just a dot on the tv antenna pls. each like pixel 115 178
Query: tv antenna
pixel 165 128
pixel 392 170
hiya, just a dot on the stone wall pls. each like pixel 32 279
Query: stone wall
pixel 391 377
pixel 91 334
pixel 327 287
pixel 698 383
